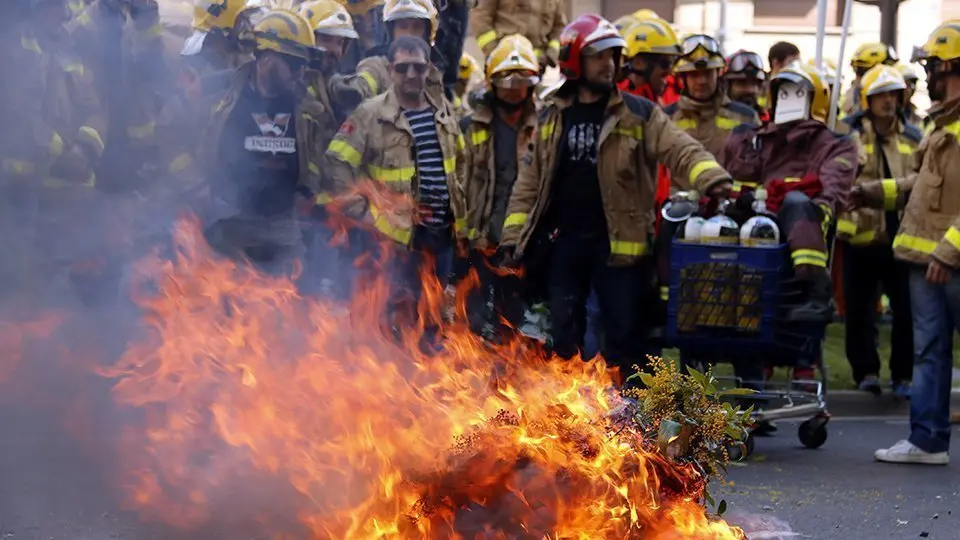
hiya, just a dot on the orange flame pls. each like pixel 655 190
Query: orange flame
pixel 239 376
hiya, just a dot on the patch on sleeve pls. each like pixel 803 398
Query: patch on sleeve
pixel 527 158
pixel 347 128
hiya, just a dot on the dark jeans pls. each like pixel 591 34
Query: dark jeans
pixel 579 263
pixel 498 297
pixel 865 270
pixel 430 246
pixel 936 316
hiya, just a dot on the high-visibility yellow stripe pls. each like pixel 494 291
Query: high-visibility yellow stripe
pixel 17 166
pixel 914 243
pixel 75 68
pixel 547 130
pixel 843 161
pixel 849 228
pixel 868 148
pixel 343 151
pixel 636 132
pixel 726 123
pixel 56 145
pixel 864 238
pixel 92 136
pixel 473 234
pixel 84 19
pixel 517 219
pixel 371 82
pixel 686 124
pixel 76 6
pixel 487 38
pixel 953 128
pixel 57 183
pixel 384 174
pixel 30 44
pixel 312 91
pixel 143 131
pixel 665 293
pixel 904 148
pixel 953 238
pixel 449 165
pixel 810 257
pixel 631 249
pixel 702 167
pixel 845 226
pixel 554 44
pixel 383 225
pixel 800 261
pixel 322 198
pixel 180 163
pixel 313 168
pixel 738 185
pixel 152 32
pixel 792 179
pixel 459 224
pixel 929 128
pixel 461 142
pixel 479 137
pixel 889 194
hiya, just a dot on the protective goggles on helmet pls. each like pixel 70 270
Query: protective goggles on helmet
pixel 701 41
pixel 516 79
pixel 743 62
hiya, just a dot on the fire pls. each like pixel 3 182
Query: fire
pixel 244 383
pixel 26 332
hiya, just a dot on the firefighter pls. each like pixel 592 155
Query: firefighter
pixel 807 171
pixel 368 22
pixel 583 200
pixel 744 78
pixel 333 31
pixel 215 44
pixel 48 162
pixel 454 17
pixel 259 148
pixel 120 42
pixel 928 240
pixel 910 113
pixel 865 57
pixel 470 71
pixel 417 18
pixel 497 133
pixel 886 146
pixel 652 49
pixel 704 110
pixel 406 141
pixel 540 22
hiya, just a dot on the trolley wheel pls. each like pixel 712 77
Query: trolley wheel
pixel 812 433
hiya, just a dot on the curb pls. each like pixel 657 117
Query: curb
pixel 858 403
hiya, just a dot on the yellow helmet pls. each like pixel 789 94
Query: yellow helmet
pixel 622 23
pixel 909 74
pixel 699 51
pixel 880 79
pixel 943 43
pixel 870 54
pixel 286 32
pixel 209 15
pixel 328 17
pixel 395 10
pixel 358 8
pixel 808 77
pixel 829 70
pixel 468 67
pixel 652 36
pixel 513 63
pixel 645 15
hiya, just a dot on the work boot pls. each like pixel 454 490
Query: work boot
pixel 819 304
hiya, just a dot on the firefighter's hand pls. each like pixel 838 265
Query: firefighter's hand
pixel 856 198
pixel 720 190
pixel 345 94
pixel 938 273
pixel 507 257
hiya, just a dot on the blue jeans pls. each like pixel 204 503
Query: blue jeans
pixel 936 315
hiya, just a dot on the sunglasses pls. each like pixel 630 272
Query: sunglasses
pixel 404 67
pixel 295 64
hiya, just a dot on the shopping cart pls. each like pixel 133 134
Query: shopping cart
pixel 728 304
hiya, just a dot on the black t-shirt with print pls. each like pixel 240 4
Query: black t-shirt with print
pixel 258 150
pixel 577 204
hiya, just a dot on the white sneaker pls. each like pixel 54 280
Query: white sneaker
pixel 905 452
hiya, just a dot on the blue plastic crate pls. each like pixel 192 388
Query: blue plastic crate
pixel 731 299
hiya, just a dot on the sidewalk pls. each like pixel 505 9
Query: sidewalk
pixel 858 403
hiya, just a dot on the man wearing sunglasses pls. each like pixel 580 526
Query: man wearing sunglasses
pixel 704 110
pixel 652 49
pixel 497 134
pixel 584 196
pixel 744 78
pixel 406 141
pixel 259 147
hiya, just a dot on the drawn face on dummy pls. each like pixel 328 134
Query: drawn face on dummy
pixel 793 103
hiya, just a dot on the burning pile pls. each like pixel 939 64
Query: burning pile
pixel 242 382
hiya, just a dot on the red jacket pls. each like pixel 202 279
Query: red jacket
pixel 673 87
pixel 643 91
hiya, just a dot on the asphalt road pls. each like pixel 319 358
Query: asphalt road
pixel 50 491
pixel 839 491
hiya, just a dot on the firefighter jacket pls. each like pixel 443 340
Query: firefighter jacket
pixel 309 128
pixel 889 156
pixel 55 135
pixel 850 101
pixel 376 142
pixel 635 135
pixel 931 220
pixel 373 78
pixel 540 22
pixel 711 122
pixel 479 165
pixel 805 150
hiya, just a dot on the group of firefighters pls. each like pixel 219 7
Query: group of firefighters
pixel 273 114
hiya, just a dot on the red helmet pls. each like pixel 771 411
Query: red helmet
pixel 589 34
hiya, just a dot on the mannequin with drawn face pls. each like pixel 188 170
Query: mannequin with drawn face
pixel 793 103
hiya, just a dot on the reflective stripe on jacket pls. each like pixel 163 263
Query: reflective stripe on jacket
pixel 634 137
pixel 540 22
pixel 711 123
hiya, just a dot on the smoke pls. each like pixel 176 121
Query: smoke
pixel 762 526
